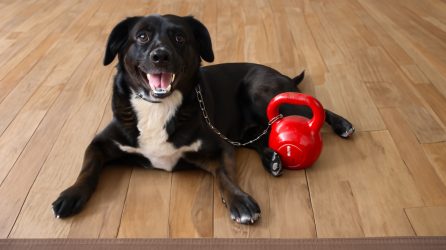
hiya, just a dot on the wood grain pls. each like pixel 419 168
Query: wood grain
pixel 436 152
pixel 291 212
pixel 62 165
pixel 146 210
pixel 191 213
pixel 102 216
pixel 105 209
pixel 351 182
pixel 428 221
pixel 433 190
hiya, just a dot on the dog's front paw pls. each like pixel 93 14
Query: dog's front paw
pixel 70 201
pixel 244 209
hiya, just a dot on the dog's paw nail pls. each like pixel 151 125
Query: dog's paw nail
pixel 274 156
pixel 275 166
pixel 277 173
pixel 348 133
pixel 224 202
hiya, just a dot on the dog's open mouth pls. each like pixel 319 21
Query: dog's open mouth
pixel 160 83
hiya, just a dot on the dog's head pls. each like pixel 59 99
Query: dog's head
pixel 159 53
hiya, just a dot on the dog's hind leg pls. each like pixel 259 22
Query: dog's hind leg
pixel 339 124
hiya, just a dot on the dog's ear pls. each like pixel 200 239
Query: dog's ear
pixel 118 37
pixel 203 38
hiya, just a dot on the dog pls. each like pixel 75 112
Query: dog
pixel 171 113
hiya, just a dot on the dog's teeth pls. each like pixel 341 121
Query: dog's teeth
pixel 173 78
pixel 161 91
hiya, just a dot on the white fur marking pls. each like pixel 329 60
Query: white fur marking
pixel 152 141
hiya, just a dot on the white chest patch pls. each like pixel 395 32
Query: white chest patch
pixel 152 141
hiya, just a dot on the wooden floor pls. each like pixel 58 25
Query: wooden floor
pixel 380 63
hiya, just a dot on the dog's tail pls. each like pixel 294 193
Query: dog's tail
pixel 298 79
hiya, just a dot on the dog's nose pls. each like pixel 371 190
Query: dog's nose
pixel 159 56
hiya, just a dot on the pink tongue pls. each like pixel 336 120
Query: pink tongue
pixel 161 80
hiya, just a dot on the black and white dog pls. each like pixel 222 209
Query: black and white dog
pixel 158 121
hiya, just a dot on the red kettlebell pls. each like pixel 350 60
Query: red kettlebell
pixel 296 139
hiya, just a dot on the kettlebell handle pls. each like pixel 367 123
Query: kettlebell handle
pixel 315 123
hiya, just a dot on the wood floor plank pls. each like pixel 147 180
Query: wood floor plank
pixel 33 155
pixel 101 217
pixel 435 100
pixel 282 29
pixel 420 30
pixel 146 210
pixel 46 13
pixel 343 90
pixel 227 28
pixel 15 138
pixel 19 96
pixel 394 49
pixel 27 166
pixel 305 43
pixel 12 103
pixel 339 19
pixel 398 34
pixel 10 80
pixel 191 213
pixel 352 181
pixel 10 10
pixel 432 189
pixel 436 152
pixel 28 42
pixel 414 73
pixel 36 107
pixel 106 209
pixel 336 212
pixel 389 88
pixel 14 14
pixel 323 36
pixel 62 166
pixel 5 43
pixel 428 9
pixel 428 221
pixel 291 212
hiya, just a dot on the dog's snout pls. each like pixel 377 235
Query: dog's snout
pixel 159 56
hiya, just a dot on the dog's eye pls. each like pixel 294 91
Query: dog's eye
pixel 179 39
pixel 142 37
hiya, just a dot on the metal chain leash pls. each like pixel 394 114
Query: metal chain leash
pixel 208 121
